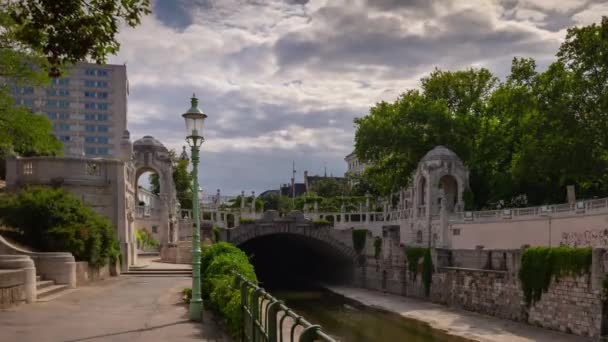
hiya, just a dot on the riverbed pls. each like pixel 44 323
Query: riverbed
pixel 349 321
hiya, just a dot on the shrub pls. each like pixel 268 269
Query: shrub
pixel 413 255
pixel 246 220
pixel 359 236
pixel 539 265
pixel 218 290
pixel 52 220
pixel 145 240
pixel 321 223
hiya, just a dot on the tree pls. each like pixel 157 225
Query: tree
pixel 183 184
pixel 68 31
pixel 328 187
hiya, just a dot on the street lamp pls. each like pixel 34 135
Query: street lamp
pixel 194 126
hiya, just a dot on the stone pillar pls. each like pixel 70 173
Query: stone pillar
pixel 367 219
pixel 27 264
pixel 242 200
pixel 253 203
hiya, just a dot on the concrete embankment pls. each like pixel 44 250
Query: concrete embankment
pixel 454 322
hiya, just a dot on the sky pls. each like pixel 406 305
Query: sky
pixel 282 80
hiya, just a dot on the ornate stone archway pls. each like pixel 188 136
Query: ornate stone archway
pixel 150 154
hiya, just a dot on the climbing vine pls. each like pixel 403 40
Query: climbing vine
pixel 413 256
pixel 359 236
pixel 377 247
pixel 216 234
pixel 539 265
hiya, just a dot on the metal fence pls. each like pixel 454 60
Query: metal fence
pixel 267 319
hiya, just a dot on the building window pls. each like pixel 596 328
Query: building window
pixel 96 94
pixel 93 105
pixel 60 81
pixel 102 117
pixel 456 231
pixel 64 138
pixel 55 103
pixel 96 72
pixel 89 117
pixel 95 84
pixel 89 150
pixel 89 139
pixel 64 116
pixel 155 229
pixel 89 128
pixel 61 126
pixel 24 102
pixel 103 140
pixel 23 90
pixel 51 115
pixel 103 151
pixel 57 92
pixel 102 128
pixel 28 168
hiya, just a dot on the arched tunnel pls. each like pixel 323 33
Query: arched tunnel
pixel 292 261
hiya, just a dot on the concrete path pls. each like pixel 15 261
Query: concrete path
pixel 153 261
pixel 455 322
pixel 127 308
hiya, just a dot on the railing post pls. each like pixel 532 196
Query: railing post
pixel 309 334
pixel 273 313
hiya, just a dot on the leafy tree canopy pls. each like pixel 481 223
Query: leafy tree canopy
pixel 523 139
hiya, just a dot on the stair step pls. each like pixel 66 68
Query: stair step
pixel 41 284
pixel 38 278
pixel 55 295
pixel 47 291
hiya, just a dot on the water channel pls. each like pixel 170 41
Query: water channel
pixel 348 321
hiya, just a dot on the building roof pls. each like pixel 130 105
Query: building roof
pixel 151 143
pixel 440 152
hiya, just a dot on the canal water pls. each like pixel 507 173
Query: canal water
pixel 348 321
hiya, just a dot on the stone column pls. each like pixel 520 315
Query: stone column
pixel 253 203
pixel 242 200
pixel 367 219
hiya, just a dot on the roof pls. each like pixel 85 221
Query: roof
pixel 440 152
pixel 150 142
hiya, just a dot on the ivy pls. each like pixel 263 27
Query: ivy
pixel 377 247
pixel 246 220
pixel 359 237
pixel 413 255
pixel 539 265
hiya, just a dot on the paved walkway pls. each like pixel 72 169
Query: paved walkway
pixel 455 322
pixel 154 262
pixel 127 308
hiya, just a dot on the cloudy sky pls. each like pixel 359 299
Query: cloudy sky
pixel 282 80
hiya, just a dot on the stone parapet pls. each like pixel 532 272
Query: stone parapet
pixel 24 265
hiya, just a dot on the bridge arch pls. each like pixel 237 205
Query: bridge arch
pixel 292 250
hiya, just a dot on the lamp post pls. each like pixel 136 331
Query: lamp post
pixel 194 126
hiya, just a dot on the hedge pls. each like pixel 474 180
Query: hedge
pixel 53 220
pixel 218 287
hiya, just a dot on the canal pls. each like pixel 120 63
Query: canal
pixel 349 321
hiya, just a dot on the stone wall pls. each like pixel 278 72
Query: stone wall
pixel 12 288
pixel 86 274
pixel 487 282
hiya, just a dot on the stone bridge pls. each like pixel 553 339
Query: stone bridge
pixel 294 245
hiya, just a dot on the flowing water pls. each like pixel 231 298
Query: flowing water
pixel 348 321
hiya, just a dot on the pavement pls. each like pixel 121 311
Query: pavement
pixel 154 262
pixel 125 308
pixel 461 323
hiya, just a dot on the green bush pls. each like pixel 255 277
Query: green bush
pixel 246 220
pixel 218 288
pixel 52 220
pixel 539 265
pixel 321 223
pixel 359 237
pixel 145 240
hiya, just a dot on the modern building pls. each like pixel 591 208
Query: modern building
pixel 354 167
pixel 87 106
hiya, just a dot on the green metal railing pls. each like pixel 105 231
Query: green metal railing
pixel 264 318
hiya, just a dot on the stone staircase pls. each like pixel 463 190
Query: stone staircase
pixel 47 290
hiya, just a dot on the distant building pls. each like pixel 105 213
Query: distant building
pixel 354 167
pixel 308 185
pixel 87 106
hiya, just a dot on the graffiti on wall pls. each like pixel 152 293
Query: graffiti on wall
pixel 588 238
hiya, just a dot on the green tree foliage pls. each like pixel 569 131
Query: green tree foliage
pixel 523 139
pixel 52 220
pixel 219 289
pixel 68 31
pixel 359 237
pixel 145 240
pixel 275 201
pixel 329 187
pixel 182 179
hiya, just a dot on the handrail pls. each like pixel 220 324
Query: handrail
pixel 261 321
